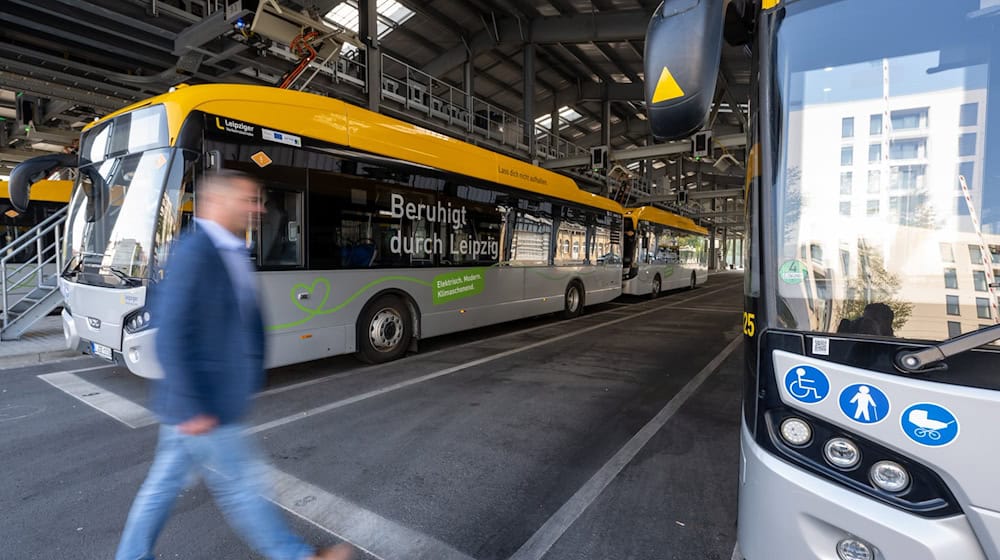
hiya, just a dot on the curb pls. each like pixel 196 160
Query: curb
pixel 33 358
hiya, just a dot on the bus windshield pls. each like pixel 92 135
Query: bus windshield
pixel 887 173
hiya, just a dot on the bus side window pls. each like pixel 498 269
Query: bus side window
pixel 280 237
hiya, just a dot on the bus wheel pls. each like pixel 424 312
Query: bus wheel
pixel 384 330
pixel 574 301
pixel 657 285
pixel 694 281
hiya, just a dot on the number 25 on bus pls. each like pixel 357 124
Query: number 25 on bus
pixel 872 392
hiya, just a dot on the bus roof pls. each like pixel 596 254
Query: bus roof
pixel 49 191
pixel 657 216
pixel 332 120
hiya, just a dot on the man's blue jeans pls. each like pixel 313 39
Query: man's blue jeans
pixel 231 466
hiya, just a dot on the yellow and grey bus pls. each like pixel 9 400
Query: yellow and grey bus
pixel 663 251
pixel 376 233
pixel 47 198
pixel 871 394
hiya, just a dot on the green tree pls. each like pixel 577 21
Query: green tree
pixel 874 284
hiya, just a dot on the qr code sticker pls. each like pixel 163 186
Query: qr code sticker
pixel 821 346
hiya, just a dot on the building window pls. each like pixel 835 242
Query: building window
pixel 906 209
pixel 875 125
pixel 907 177
pixel 975 255
pixel 967 144
pixel 961 206
pixel 847 155
pixel 979 280
pixel 874 152
pixel 909 119
pixel 968 114
pixel 952 305
pixel 872 207
pixel 983 308
pixel 966 169
pixel 845 208
pixel 950 279
pixel 874 181
pixel 911 148
pixel 846 182
pixel 847 127
pixel 954 329
pixel 947 253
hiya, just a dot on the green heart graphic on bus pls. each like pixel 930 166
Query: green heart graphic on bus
pixel 312 290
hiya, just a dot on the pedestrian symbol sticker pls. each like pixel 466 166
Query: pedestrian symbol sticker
pixel 864 403
pixel 807 384
pixel 929 424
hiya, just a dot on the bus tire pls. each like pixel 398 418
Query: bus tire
pixel 657 287
pixel 694 281
pixel 574 301
pixel 384 330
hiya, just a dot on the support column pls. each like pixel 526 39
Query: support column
pixel 467 81
pixel 368 23
pixel 606 139
pixel 725 245
pixel 712 258
pixel 529 99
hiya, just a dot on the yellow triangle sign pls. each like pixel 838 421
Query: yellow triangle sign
pixel 666 87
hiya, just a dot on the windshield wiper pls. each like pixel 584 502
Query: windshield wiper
pixel 125 278
pixel 921 361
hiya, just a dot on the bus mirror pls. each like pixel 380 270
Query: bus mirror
pixel 681 63
pixel 32 170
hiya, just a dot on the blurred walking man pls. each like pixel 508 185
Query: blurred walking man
pixel 210 344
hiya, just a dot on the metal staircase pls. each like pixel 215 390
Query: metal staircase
pixel 29 269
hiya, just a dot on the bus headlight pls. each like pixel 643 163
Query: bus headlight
pixel 796 431
pixel 842 453
pixel 137 321
pixel 855 549
pixel 889 476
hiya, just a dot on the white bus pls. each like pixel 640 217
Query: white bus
pixel 377 233
pixel 663 251
pixel 872 204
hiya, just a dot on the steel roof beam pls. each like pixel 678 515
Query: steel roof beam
pixel 581 28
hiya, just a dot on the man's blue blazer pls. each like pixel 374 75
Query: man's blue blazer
pixel 210 340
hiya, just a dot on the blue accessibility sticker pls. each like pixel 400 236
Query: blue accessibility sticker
pixel 807 384
pixel 929 424
pixel 864 403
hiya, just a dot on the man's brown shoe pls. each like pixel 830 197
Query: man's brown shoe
pixel 342 551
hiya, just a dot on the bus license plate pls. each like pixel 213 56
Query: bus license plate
pixel 101 351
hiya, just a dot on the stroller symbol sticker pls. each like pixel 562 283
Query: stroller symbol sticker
pixel 864 403
pixel 929 424
pixel 807 384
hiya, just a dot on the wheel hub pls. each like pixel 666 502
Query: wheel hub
pixel 386 330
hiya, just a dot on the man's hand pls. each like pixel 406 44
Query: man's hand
pixel 201 424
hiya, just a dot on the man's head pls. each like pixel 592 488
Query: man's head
pixel 229 198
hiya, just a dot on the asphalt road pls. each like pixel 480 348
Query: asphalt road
pixel 611 436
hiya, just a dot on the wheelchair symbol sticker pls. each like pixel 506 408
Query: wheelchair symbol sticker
pixel 864 403
pixel 929 424
pixel 807 384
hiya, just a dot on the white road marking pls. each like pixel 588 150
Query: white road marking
pixel 448 371
pixel 115 406
pixel 539 544
pixel 707 309
pixel 365 529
